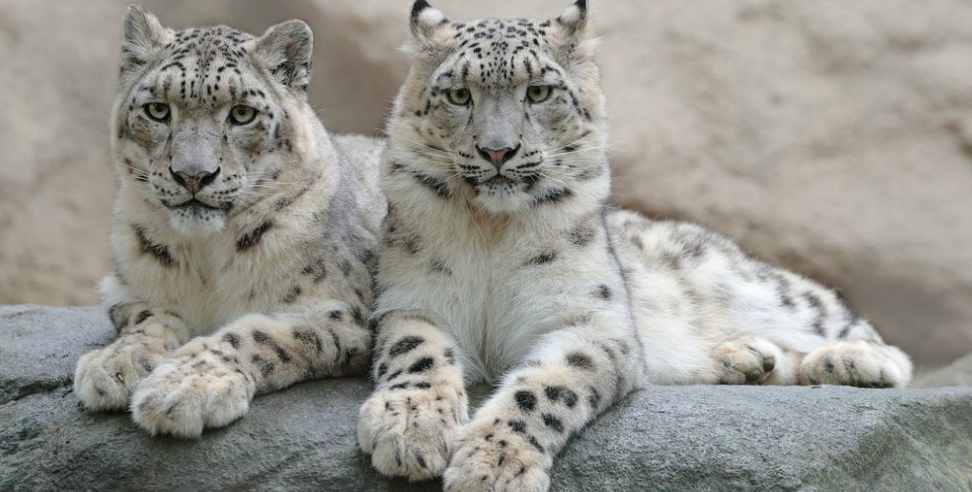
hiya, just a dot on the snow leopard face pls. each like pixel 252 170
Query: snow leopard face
pixel 202 126
pixel 510 107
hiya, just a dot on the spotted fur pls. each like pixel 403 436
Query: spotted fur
pixel 240 248
pixel 567 304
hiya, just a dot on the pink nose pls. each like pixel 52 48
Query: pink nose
pixel 497 157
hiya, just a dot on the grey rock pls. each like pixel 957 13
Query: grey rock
pixel 303 438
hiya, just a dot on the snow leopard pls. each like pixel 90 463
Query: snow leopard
pixel 503 261
pixel 243 235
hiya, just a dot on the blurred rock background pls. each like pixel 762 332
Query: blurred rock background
pixel 832 137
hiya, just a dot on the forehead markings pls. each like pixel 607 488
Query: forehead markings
pixel 495 47
pixel 201 60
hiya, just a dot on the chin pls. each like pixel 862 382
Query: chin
pixel 196 221
pixel 499 201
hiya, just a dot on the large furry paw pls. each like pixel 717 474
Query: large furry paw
pixel 105 378
pixel 194 390
pixel 859 363
pixel 497 457
pixel 410 432
pixel 747 360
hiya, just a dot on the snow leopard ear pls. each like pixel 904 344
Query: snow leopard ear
pixel 286 50
pixel 573 21
pixel 567 33
pixel 143 35
pixel 430 27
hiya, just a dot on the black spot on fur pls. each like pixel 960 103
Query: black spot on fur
pixel 526 400
pixel 783 291
pixel 157 251
pixel 580 360
pixel 142 316
pixel 264 366
pixel 292 295
pixel 545 257
pixel 116 314
pixel 422 365
pixel 437 266
pixel 233 339
pixel 594 399
pixel 316 270
pixel 264 339
pixel 357 314
pixel 847 328
pixel 436 185
pixel 536 444
pixel 308 338
pixel 518 426
pixel 553 422
pixel 405 345
pixel 252 238
pixel 550 197
pixel 560 393
pixel 582 235
pixel 382 370
pixel 345 267
pixel 603 291
pixel 820 312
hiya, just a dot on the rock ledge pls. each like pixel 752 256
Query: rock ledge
pixel 668 438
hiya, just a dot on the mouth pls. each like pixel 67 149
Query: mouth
pixel 192 204
pixel 499 180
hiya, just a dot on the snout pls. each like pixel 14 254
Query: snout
pixel 194 179
pixel 498 157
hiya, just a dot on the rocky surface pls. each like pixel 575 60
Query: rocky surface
pixel 667 438
pixel 833 137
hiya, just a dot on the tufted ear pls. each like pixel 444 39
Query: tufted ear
pixel 143 35
pixel 569 33
pixel 574 20
pixel 429 26
pixel 286 50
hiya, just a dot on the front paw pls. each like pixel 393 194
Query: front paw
pixel 410 432
pixel 105 378
pixel 198 389
pixel 748 360
pixel 859 363
pixel 498 457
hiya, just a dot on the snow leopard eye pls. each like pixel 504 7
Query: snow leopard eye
pixel 539 93
pixel 459 97
pixel 242 114
pixel 157 111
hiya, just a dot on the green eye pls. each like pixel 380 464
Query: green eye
pixel 242 114
pixel 459 97
pixel 539 93
pixel 157 111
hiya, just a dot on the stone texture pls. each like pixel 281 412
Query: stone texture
pixel 833 137
pixel 666 438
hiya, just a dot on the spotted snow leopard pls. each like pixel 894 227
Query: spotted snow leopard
pixel 503 262
pixel 241 234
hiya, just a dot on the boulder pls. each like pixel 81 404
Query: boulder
pixel 303 438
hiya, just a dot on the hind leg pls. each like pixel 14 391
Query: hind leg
pixel 856 363
pixel 771 326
